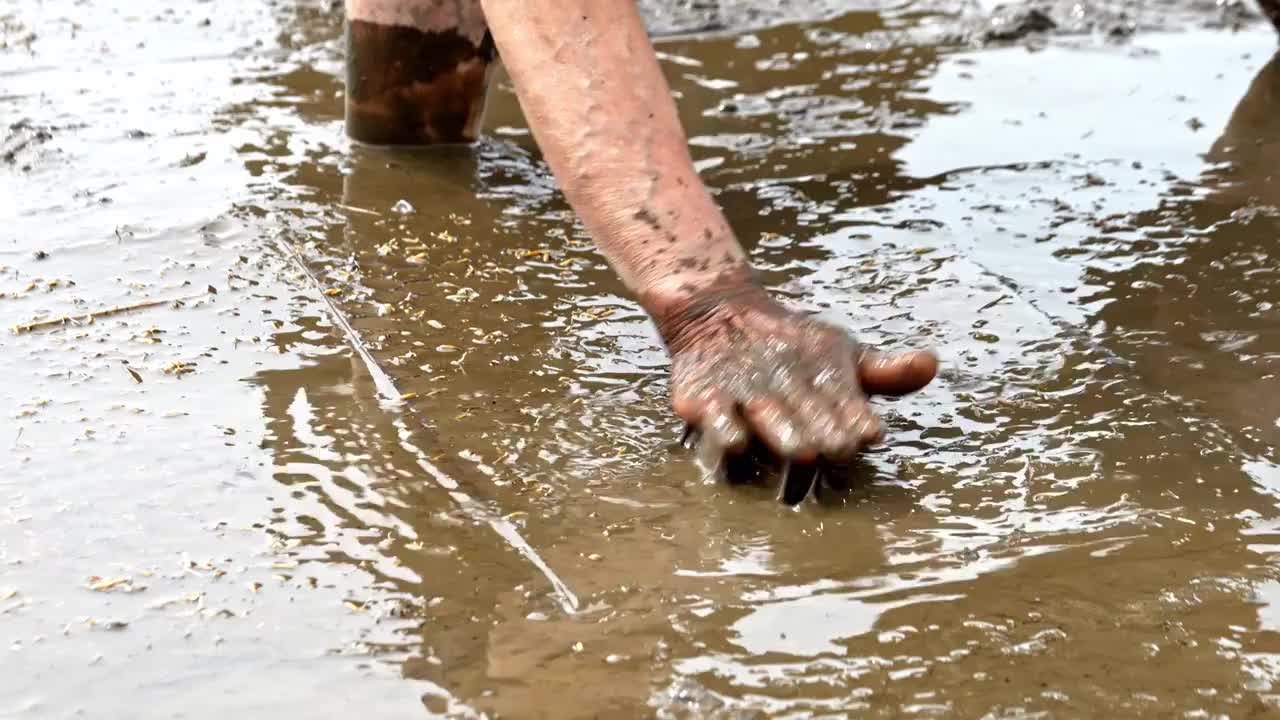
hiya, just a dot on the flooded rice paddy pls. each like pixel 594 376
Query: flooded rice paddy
pixel 379 434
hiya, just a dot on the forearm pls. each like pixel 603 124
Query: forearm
pixel 603 116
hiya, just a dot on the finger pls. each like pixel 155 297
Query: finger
pixel 896 374
pixel 822 424
pixel 711 417
pixel 860 425
pixel 798 480
pixel 690 400
pixel 771 420
pixel 809 408
pixel 689 436
pixel 722 427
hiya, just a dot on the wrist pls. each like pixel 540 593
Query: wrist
pixel 684 305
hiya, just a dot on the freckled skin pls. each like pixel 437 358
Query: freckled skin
pixel 743 365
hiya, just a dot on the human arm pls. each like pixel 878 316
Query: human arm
pixel 601 111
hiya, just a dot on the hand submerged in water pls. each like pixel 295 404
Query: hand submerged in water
pixel 744 367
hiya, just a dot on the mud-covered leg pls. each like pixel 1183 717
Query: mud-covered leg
pixel 417 71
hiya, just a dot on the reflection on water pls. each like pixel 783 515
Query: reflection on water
pixel 1077 520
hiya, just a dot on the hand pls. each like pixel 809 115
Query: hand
pixel 744 366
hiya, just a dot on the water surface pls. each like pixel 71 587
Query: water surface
pixel 216 505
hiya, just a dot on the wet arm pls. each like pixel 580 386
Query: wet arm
pixel 602 113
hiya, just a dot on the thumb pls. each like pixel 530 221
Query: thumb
pixel 896 374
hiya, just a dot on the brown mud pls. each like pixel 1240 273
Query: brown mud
pixel 216 505
pixel 409 87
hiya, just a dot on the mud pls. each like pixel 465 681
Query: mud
pixel 431 470
pixel 409 87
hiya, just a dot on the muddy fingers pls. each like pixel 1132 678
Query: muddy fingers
pixel 745 369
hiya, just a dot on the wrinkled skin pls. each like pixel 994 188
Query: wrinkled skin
pixel 744 367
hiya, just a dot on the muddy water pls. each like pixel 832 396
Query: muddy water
pixel 217 505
